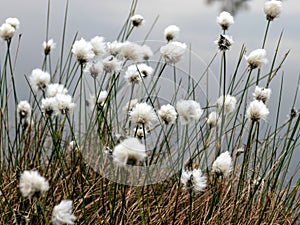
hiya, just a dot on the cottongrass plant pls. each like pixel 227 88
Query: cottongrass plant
pixel 62 213
pixel 225 20
pixel 32 183
pixel 171 32
pixel 130 152
pixel 222 166
pixel 99 131
pixel 48 46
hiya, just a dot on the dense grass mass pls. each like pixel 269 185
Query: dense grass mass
pixel 118 133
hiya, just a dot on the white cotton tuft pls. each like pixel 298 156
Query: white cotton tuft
pixel 256 58
pixel 98 45
pixel 39 79
pixel 83 51
pixel 64 103
pixel 223 164
pixel 137 20
pixel 32 183
pixel 272 9
pixel 62 213
pixel 262 94
pixel 24 109
pixel 48 46
pixel 14 22
pixel 143 114
pixel 49 106
pixel 129 152
pixel 167 114
pixel 193 180
pixel 94 68
pixel 171 32
pixel 225 20
pixel 7 31
pixel 229 103
pixel 56 88
pixel 188 111
pixel 111 65
pixel 173 51
pixel 213 120
pixel 257 110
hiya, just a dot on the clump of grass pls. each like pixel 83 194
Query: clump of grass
pixel 99 132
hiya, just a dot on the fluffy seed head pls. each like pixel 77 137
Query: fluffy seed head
pixel 224 42
pixel 48 46
pixel 262 94
pixel 62 213
pixel 188 111
pixel 146 52
pixel 144 70
pixel 229 103
pixel 114 48
pixel 111 65
pixel 39 79
pixel 257 110
pixel 131 51
pixel 143 114
pixel 94 68
pixel 171 32
pixel 83 51
pixel 173 51
pixel 272 9
pixel 223 164
pixel 135 73
pixel 213 120
pixel 99 101
pixel 98 45
pixel 256 58
pixel 137 20
pixel 225 20
pixel 129 152
pixel 49 106
pixel 56 88
pixel 7 31
pixel 193 180
pixel 24 110
pixel 32 183
pixel 167 114
pixel 132 75
pixel 14 22
pixel 64 103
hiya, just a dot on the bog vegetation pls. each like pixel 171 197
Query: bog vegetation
pixel 114 132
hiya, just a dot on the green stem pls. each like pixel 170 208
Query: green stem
pixel 266 33
pixel 263 46
pixel 243 172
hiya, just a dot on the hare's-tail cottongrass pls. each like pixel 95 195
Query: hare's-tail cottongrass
pixel 124 131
